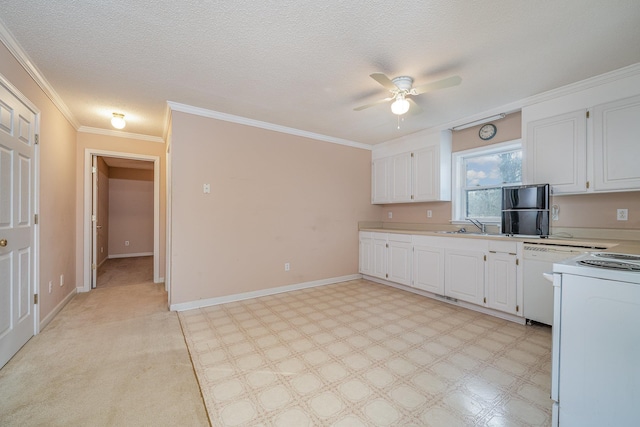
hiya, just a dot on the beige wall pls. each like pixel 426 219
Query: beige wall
pixel 585 211
pixel 275 198
pixel 120 145
pixel 130 211
pixel 57 215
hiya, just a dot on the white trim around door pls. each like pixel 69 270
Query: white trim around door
pixel 87 178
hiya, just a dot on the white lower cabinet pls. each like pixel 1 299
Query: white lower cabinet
pixel 428 264
pixel 501 289
pixel 481 272
pixel 380 255
pixel 464 273
pixel 388 256
pixel 365 265
pixel 399 258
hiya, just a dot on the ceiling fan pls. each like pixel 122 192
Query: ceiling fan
pixel 401 87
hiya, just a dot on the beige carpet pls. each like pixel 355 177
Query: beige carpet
pixel 112 357
pixel 362 354
pixel 125 271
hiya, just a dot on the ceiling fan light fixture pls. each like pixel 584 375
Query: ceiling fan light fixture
pixel 117 121
pixel 400 106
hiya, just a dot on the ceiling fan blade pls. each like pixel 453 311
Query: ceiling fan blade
pixel 362 107
pixel 440 84
pixel 383 80
pixel 414 108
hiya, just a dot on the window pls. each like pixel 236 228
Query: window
pixel 479 175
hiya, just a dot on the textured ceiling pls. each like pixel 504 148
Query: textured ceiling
pixel 305 64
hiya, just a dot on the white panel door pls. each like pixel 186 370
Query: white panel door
pixel 616 126
pixel 556 152
pixel 399 261
pixel 502 286
pixel 426 174
pixel 428 270
pixel 464 275
pixel 380 192
pixel 366 253
pixel 17 184
pixel 401 178
pixel 379 255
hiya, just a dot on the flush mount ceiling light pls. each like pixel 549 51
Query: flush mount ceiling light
pixel 117 121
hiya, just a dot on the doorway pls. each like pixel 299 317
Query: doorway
pixel 90 216
pixel 124 221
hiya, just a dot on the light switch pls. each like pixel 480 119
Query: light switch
pixel 206 188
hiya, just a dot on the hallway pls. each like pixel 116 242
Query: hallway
pixel 113 356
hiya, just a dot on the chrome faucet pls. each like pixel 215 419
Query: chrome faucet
pixel 481 226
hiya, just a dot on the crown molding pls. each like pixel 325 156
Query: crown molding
pixel 120 134
pixel 175 106
pixel 23 59
pixel 591 82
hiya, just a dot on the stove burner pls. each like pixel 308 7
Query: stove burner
pixel 611 265
pixel 619 257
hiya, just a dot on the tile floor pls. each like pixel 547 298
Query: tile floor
pixel 362 354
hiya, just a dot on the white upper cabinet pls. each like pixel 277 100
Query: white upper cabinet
pixel 420 175
pixel 401 178
pixel 556 152
pixel 586 140
pixel 380 192
pixel 616 138
pixel 432 173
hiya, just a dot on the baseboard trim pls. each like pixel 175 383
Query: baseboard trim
pixel 261 293
pixel 130 255
pixel 44 322
pixel 463 304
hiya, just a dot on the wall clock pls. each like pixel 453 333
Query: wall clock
pixel 487 131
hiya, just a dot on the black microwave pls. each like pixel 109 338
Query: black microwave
pixel 525 210
pixel 526 197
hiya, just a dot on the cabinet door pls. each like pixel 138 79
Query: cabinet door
pixel 502 282
pixel 399 261
pixel 400 182
pixel 464 275
pixel 556 152
pixel 380 192
pixel 428 268
pixel 426 174
pixel 366 254
pixel 616 126
pixel 379 255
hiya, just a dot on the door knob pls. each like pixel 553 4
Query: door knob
pixel 3 242
pixel 98 227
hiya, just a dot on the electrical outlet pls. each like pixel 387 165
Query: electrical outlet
pixel 389 214
pixel 50 285
pixel 623 214
pixel 555 210
pixel 206 188
pixel 126 243
pixel 429 213
pixel 62 280
pixel 287 266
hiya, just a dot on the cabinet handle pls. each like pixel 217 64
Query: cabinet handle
pixel 587 184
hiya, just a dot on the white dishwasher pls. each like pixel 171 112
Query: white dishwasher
pixel 538 291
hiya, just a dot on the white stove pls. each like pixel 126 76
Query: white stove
pixel 596 340
pixel 603 265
